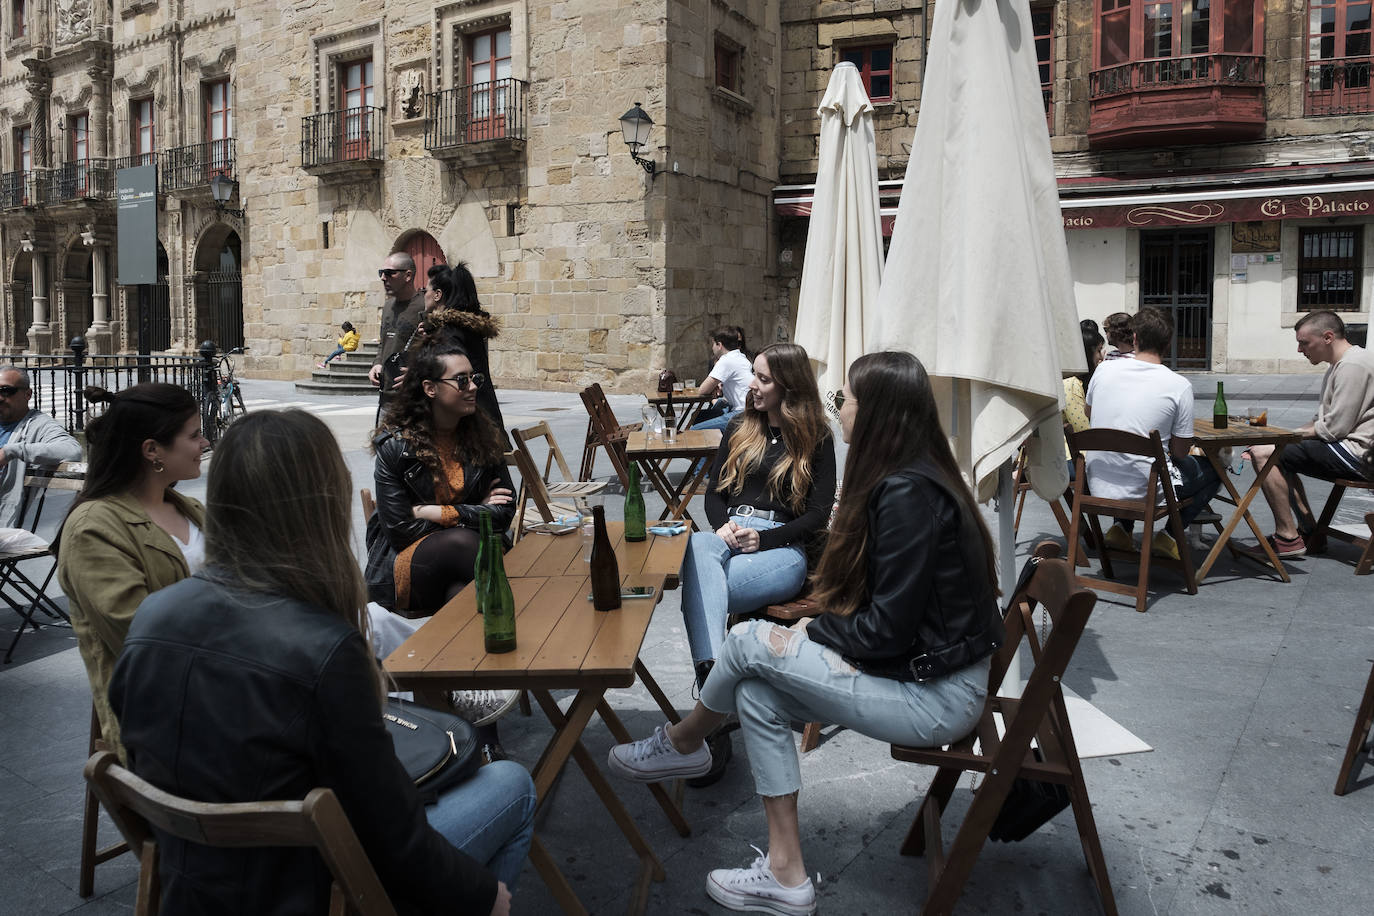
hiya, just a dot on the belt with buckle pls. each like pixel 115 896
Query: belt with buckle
pixel 768 515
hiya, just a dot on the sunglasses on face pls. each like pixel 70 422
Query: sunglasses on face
pixel 837 400
pixel 9 391
pixel 387 272
pixel 463 378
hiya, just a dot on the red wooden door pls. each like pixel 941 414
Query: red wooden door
pixel 426 253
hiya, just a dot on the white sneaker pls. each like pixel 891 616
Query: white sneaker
pixel 654 759
pixel 482 707
pixel 755 889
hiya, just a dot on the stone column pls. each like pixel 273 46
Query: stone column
pixel 98 335
pixel 99 115
pixel 39 84
pixel 40 332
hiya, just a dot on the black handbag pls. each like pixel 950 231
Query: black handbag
pixel 438 749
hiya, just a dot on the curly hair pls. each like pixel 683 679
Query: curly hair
pixel 410 413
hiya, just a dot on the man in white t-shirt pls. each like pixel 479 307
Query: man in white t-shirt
pixel 1139 396
pixel 729 378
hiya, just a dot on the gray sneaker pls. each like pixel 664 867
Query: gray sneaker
pixel 654 759
pixel 482 707
pixel 755 889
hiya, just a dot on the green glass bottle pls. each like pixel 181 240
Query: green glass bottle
pixel 1219 408
pixel 494 599
pixel 634 507
pixel 479 568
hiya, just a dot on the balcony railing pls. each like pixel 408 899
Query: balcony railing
pixel 1170 72
pixel 137 159
pixel 352 135
pixel 188 167
pixel 79 179
pixel 20 189
pixel 473 114
pixel 1339 86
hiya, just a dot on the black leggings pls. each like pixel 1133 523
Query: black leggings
pixel 440 566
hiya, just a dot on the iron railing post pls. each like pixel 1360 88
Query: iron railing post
pixel 76 399
pixel 209 391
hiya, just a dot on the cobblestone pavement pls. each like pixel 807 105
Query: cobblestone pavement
pixel 1246 692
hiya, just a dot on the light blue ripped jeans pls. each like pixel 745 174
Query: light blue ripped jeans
pixel 773 676
pixel 718 582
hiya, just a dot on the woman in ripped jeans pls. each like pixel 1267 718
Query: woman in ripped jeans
pixel 901 652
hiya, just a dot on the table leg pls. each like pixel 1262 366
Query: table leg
pixel 700 468
pixel 656 692
pixel 1242 513
pixel 553 879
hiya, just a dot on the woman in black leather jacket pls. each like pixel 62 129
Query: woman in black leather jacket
pixel 253 680
pixel 901 651
pixel 440 465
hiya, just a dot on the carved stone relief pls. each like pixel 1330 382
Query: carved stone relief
pixel 73 20
pixel 416 198
pixel 410 92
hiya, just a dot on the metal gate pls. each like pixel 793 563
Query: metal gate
pixel 221 311
pixel 1176 275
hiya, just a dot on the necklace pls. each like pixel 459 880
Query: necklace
pixel 774 434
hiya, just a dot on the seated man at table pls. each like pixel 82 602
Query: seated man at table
pixel 729 378
pixel 1139 396
pixel 1341 432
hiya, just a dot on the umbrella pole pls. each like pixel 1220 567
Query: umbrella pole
pixel 1006 561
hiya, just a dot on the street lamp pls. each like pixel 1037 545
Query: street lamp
pixel 223 188
pixel 635 125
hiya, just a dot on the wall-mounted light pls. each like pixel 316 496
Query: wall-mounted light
pixel 26 243
pixel 223 188
pixel 635 125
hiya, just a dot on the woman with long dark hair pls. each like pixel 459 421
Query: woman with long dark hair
pixel 454 311
pixel 253 681
pixel 1075 411
pixel 900 651
pixel 771 489
pixel 128 532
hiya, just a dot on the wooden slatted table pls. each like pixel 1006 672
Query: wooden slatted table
pixel 561 555
pixel 696 445
pixel 1239 434
pixel 562 644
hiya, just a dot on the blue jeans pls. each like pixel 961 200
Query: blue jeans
pixel 338 351
pixel 719 422
pixel 1200 484
pixel 773 676
pixel 490 817
pixel 718 582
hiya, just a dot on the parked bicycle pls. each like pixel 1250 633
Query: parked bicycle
pixel 222 404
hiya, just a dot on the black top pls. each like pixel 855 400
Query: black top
pixel 399 321
pixel 754 492
pixel 233 696
pixel 931 608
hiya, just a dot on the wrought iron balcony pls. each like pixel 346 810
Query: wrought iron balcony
pixel 1195 99
pixel 483 122
pixel 1339 86
pixel 137 159
pixel 80 179
pixel 349 141
pixel 190 168
pixel 20 189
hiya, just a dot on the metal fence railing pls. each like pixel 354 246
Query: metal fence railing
pixel 1172 72
pixel 1339 86
pixel 472 114
pixel 79 179
pixel 349 135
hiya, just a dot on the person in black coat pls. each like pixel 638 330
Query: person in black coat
pixel 454 311
pixel 900 651
pixel 254 680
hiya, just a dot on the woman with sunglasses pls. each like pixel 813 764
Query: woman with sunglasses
pixel 901 651
pixel 772 483
pixel 452 308
pixel 439 466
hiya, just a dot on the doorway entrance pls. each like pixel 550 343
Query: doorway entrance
pixel 1176 275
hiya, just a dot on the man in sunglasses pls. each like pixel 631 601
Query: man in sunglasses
pixel 26 437
pixel 400 317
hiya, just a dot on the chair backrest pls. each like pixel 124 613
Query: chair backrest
pixel 611 434
pixel 531 485
pixel 554 455
pixel 1150 447
pixel 369 504
pixel 38 480
pixel 136 807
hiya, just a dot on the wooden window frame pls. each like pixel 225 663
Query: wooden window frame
pixel 224 114
pixel 865 66
pixel 23 148
pixel 1045 63
pixel 1133 14
pixel 138 128
pixel 728 58
pixel 19 15
pixel 1339 83
pixel 78 136
pixel 355 130
pixel 1317 265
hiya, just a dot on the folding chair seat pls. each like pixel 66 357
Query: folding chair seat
pixel 1359 751
pixel 536 485
pixel 1146 509
pixel 17 589
pixel 137 808
pixel 1325 530
pixel 1002 758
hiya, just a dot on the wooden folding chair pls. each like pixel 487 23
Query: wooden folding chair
pixel 536 485
pixel 1146 509
pixel 92 853
pixel 1325 530
pixel 137 808
pixel 610 434
pixel 1060 506
pixel 24 595
pixel 1039 714
pixel 1360 749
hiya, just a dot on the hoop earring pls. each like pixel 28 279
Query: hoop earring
pixel 158 466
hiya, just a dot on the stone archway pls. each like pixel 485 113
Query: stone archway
pixel 218 281
pixel 424 251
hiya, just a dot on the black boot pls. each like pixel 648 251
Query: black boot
pixel 703 669
pixel 718 741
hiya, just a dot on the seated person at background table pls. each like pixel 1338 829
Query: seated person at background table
pixel 1120 337
pixel 129 533
pixel 439 465
pixel 27 437
pixel 253 680
pixel 1139 396
pixel 907 586
pixel 1075 412
pixel 1333 442
pixel 769 497
pixel 729 378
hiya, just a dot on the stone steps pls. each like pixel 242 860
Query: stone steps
pixel 345 375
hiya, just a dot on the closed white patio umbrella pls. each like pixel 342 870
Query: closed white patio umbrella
pixel 844 239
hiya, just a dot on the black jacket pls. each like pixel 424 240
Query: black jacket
pixel 931 608
pixel 231 696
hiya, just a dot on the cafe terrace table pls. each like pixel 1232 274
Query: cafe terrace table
pixel 1240 435
pixel 686 404
pixel 561 555
pixel 562 643
pixel 654 456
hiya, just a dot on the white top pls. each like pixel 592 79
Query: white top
pixel 734 372
pixel 193 550
pixel 1137 397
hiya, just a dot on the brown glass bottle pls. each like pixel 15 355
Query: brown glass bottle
pixel 605 570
